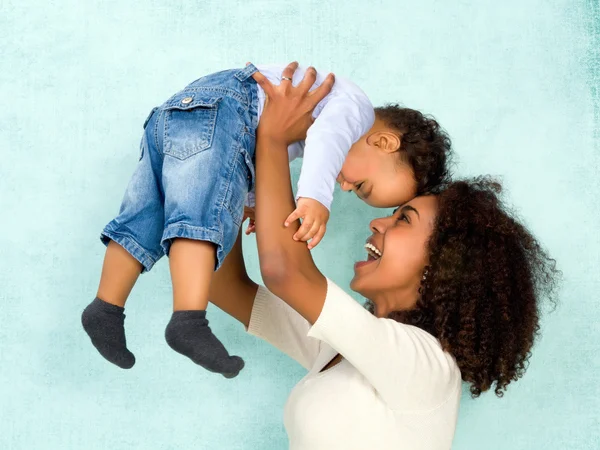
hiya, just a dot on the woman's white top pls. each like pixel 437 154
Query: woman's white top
pixel 395 387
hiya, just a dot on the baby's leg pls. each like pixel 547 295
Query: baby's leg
pixel 120 271
pixel 206 179
pixel 103 319
pixel 133 246
pixel 192 265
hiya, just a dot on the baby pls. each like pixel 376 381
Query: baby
pixel 196 172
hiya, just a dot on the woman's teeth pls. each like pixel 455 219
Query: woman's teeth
pixel 373 251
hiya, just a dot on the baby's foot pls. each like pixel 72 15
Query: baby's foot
pixel 103 322
pixel 188 333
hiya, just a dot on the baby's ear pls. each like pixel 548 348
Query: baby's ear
pixel 386 141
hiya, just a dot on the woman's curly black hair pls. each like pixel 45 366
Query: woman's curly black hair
pixel 482 293
pixel 424 145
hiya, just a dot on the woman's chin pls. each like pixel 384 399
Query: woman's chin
pixel 361 270
pixel 356 284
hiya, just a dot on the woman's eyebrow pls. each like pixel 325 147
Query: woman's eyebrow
pixel 407 208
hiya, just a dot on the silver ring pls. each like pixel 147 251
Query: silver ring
pixel 286 78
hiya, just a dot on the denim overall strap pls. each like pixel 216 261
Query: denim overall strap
pixel 246 72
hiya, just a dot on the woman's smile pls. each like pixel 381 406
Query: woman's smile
pixel 373 254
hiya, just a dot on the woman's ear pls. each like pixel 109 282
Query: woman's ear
pixel 384 140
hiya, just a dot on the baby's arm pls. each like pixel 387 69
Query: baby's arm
pixel 342 122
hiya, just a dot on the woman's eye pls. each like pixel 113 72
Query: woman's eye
pixel 403 217
pixel 359 185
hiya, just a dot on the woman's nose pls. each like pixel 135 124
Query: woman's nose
pixel 379 225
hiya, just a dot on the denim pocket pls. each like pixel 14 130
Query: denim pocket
pixel 190 119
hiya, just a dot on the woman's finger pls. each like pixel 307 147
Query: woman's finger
pixel 310 76
pixel 304 229
pixel 288 72
pixel 321 92
pixel 264 83
pixel 312 244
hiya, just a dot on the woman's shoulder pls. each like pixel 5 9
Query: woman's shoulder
pixel 425 342
pixel 409 343
pixel 404 363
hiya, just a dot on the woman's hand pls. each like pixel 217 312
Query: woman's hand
pixel 288 109
pixel 286 118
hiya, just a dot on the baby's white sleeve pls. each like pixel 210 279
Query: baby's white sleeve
pixel 342 122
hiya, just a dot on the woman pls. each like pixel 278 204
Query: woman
pixel 453 283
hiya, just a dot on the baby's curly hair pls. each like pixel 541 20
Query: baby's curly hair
pixel 424 145
pixel 482 293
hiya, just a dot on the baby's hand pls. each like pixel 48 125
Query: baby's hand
pixel 249 213
pixel 314 221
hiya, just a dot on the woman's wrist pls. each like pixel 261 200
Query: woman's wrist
pixel 271 140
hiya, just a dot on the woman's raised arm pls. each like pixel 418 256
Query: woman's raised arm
pixel 286 265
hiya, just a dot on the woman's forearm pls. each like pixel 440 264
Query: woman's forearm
pixel 274 202
pixel 286 266
pixel 231 289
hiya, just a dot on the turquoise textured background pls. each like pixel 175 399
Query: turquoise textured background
pixel 516 83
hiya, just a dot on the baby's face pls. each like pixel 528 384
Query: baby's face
pixel 377 177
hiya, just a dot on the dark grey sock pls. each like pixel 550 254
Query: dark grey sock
pixel 103 322
pixel 188 333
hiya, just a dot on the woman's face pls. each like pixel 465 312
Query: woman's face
pixel 397 256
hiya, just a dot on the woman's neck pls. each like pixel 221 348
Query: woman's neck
pixel 386 303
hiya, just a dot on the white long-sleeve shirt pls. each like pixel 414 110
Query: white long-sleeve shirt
pixel 395 387
pixel 341 119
